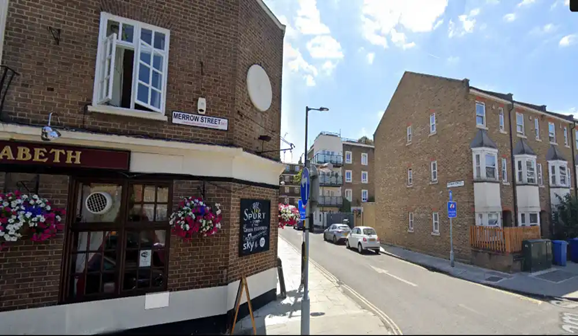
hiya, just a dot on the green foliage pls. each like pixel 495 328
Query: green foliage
pixel 565 218
pixel 297 177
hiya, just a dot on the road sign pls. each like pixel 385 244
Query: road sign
pixel 451 196
pixel 302 209
pixel 452 210
pixel 305 186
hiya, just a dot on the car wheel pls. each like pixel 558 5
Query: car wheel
pixel 334 239
pixel 359 248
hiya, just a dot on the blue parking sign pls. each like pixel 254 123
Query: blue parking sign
pixel 452 210
pixel 302 209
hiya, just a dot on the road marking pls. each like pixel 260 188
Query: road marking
pixel 382 271
pixel 521 297
pixel 470 309
pixel 394 327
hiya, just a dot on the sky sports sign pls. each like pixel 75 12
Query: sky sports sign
pixel 197 120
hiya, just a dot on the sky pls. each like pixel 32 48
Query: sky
pixel 349 55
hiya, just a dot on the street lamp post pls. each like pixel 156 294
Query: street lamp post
pixel 305 304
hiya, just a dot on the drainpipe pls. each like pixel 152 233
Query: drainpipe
pixel 512 161
pixel 572 132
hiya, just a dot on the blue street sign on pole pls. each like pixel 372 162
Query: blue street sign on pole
pixel 305 186
pixel 451 198
pixel 302 209
pixel 452 210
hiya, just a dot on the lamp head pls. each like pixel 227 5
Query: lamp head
pixel 49 134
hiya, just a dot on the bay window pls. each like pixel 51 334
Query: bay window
pixel 132 64
pixel 488 219
pixel 525 169
pixel 485 164
pixel 558 173
pixel 528 219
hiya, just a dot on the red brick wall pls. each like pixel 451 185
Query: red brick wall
pixel 226 36
pixel 30 272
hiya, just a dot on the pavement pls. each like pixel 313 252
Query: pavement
pixel 333 311
pixel 555 282
pixel 419 301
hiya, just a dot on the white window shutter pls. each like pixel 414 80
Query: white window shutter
pixel 107 70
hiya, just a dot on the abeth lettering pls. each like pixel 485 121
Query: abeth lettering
pixel 39 154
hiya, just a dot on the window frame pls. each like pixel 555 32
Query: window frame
pixel 504 170
pixel 501 120
pixel 433 171
pixel 540 173
pixel 537 128
pixel 364 159
pixel 409 134
pixel 520 128
pixel 350 179
pixel 123 226
pixel 366 192
pixel 435 218
pixel 483 115
pixel 481 154
pixel 409 177
pixel 410 221
pixel 366 180
pixel 566 143
pixel 432 124
pixel 552 132
pixel 555 179
pixel 348 157
pixel 136 46
pixel 350 192
pixel 523 160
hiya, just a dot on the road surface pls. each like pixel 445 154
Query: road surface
pixel 424 302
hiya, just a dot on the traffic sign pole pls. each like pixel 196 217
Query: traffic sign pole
pixel 451 244
pixel 452 213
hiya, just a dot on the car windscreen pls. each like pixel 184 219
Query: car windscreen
pixel 342 227
pixel 369 232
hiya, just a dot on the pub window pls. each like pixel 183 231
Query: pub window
pixel 23 182
pixel 119 242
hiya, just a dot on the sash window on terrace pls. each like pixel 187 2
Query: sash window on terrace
pixel 485 164
pixel 525 169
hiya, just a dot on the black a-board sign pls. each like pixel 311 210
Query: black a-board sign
pixel 255 226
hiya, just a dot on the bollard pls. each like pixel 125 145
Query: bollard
pixel 281 278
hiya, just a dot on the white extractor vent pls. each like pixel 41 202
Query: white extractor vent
pixel 98 203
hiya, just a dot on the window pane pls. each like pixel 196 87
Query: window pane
pixel 490 166
pixel 83 215
pixel 148 214
pixel 157 80
pixel 135 213
pixel 112 27
pixel 493 219
pixel 479 120
pixel 156 99
pixel 144 73
pixel 127 32
pixel 159 41
pixel 145 57
pixel 146 35
pixel 143 93
pixel 149 193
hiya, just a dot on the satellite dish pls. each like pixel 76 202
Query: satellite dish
pixel 259 87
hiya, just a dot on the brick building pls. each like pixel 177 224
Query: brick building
pixel 351 176
pixel 123 82
pixel 507 161
pixel 290 191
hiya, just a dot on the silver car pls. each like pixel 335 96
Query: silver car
pixel 336 233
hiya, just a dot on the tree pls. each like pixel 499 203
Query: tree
pixel 297 177
pixel 565 217
pixel 365 140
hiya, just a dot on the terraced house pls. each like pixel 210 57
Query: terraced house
pixel 507 162
pixel 115 110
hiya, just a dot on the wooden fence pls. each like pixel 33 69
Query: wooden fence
pixel 505 240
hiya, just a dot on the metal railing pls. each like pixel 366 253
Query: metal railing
pixel 326 179
pixel 330 200
pixel 334 159
pixel 6 78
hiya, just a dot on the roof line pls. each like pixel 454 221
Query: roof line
pixel 271 15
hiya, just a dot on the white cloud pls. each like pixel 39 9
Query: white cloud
pixel 492 2
pixel 380 17
pixel 545 29
pixel 324 47
pixel 453 59
pixel 290 32
pixel 308 20
pixel 568 40
pixel 510 17
pixel 558 2
pixel 295 63
pixel 370 57
pixel 526 3
pixel 438 24
pixel 399 40
pixel 328 67
pixel 468 22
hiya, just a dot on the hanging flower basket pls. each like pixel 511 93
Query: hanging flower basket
pixel 20 212
pixel 195 217
pixel 288 215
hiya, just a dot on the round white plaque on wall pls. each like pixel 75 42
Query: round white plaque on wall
pixel 259 88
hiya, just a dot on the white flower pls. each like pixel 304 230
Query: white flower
pixel 11 232
pixel 13 204
pixel 5 204
pixel 32 202
pixel 24 197
pixel 1 233
pixel 42 219
pixel 10 221
pixel 19 201
pixel 187 227
pixel 35 197
pixel 48 208
pixel 28 214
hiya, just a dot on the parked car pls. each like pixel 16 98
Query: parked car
pixel 363 238
pixel 336 233
pixel 298 225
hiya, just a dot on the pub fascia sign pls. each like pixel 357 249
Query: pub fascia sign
pixel 62 156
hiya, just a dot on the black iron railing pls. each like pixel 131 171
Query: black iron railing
pixel 7 75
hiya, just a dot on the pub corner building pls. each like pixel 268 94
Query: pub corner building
pixel 139 162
